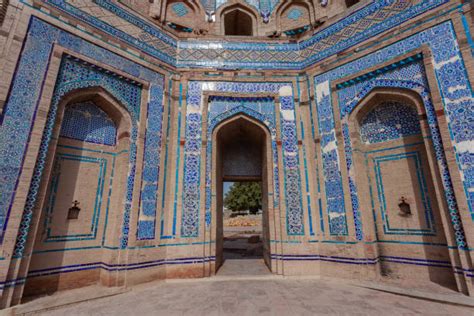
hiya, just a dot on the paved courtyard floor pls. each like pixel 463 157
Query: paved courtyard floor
pixel 255 294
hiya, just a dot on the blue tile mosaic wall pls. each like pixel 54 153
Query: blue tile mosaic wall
pixel 20 110
pixel 260 109
pixel 457 96
pixel 74 75
pixel 152 41
pixel 374 18
pixel 221 111
pixel 86 122
pixel 388 121
pixel 151 165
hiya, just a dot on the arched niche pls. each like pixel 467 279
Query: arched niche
pixel 88 155
pixel 399 185
pixel 184 16
pixel 294 14
pixel 237 20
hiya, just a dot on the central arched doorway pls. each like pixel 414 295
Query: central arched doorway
pixel 242 153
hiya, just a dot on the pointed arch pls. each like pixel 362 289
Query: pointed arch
pixel 286 6
pixel 258 136
pixel 228 14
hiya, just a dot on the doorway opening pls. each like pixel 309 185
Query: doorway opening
pixel 242 220
pixel 242 159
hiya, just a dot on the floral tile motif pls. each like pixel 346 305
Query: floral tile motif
pixel 456 93
pixel 20 110
pixel 388 121
pixel 88 123
pixel 222 109
pixel 374 18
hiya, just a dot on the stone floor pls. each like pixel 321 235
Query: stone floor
pixel 258 293
pixel 232 269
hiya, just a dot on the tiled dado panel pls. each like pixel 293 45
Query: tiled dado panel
pixel 456 92
pixel 220 110
pixel 20 111
pixel 375 18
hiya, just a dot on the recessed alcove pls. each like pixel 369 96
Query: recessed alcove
pixel 238 23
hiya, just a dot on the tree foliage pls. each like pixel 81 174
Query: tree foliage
pixel 244 196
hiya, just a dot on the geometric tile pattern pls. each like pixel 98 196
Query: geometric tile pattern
pixel 367 22
pixel 151 165
pixel 147 37
pixel 87 122
pixel 192 161
pixel 374 18
pixel 73 75
pixel 388 121
pixel 20 109
pixel 456 94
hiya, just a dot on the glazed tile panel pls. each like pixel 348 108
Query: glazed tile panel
pixel 73 75
pixel 389 121
pixel 255 109
pixel 367 22
pixel 21 106
pixel 147 37
pixel 457 98
pixel 395 76
pixel 375 18
pixel 88 123
pixel 222 108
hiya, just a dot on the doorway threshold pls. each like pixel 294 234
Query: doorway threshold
pixel 244 269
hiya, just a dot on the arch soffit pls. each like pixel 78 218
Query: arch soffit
pixel 238 116
pixel 105 101
pixel 376 92
pixel 380 94
pixel 241 6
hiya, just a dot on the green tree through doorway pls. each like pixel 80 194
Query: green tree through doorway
pixel 243 196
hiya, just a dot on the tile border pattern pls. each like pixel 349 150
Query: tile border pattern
pixel 26 88
pixel 375 18
pixel 456 93
pixel 192 152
